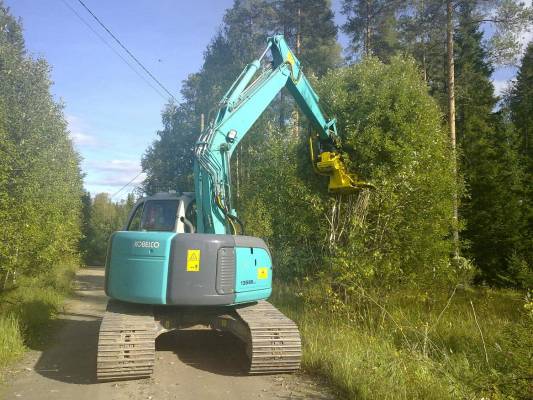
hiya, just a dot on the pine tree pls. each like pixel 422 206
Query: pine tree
pixel 372 26
pixel 246 26
pixel 310 30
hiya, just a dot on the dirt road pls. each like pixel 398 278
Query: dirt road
pixel 189 365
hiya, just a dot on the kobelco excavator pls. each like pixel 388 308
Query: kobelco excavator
pixel 182 259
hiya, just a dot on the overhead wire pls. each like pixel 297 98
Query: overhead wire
pixel 126 50
pixel 126 185
pixel 125 61
pixel 65 2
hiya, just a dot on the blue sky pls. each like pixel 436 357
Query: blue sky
pixel 113 114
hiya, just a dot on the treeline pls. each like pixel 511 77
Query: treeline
pixel 40 178
pixel 394 98
pixel 101 216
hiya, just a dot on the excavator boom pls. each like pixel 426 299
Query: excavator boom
pixel 238 110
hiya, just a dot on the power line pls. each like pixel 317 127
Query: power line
pixel 113 49
pixel 127 51
pixel 125 186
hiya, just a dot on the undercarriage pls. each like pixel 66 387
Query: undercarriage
pixel 126 343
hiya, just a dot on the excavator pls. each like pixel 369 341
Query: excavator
pixel 182 260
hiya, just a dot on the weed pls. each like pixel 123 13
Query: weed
pixel 27 310
pixel 409 343
pixel 11 342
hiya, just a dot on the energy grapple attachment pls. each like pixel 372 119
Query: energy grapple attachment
pixel 331 163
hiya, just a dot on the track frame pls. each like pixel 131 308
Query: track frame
pixel 126 343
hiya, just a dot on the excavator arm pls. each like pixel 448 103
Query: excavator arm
pixel 238 110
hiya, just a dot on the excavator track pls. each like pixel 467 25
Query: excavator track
pixel 126 343
pixel 273 343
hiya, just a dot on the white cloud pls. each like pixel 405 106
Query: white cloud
pixel 525 38
pixel 127 166
pixel 114 173
pixel 82 139
pixel 117 181
pixel 79 135
pixel 500 85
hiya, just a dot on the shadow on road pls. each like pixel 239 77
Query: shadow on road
pixel 72 359
pixel 72 356
pixel 216 352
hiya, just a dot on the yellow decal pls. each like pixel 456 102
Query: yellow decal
pixel 262 273
pixel 290 58
pixel 193 260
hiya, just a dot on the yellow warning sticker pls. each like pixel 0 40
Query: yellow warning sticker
pixel 290 58
pixel 262 273
pixel 193 260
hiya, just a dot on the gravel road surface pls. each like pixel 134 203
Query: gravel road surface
pixel 199 364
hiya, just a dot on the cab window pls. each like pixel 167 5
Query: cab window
pixel 159 215
pixel 135 221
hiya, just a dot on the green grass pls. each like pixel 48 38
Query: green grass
pixel 27 310
pixel 11 341
pixel 411 344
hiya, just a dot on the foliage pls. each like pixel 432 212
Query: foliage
pixel 40 180
pixel 11 342
pixel 414 344
pixel 494 206
pixel 521 104
pixel 372 26
pixel 392 129
pixel 246 25
pixel 27 310
pixel 103 218
pixel 520 108
pixel 393 243
pixel 493 209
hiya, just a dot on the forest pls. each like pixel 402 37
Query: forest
pixel 427 277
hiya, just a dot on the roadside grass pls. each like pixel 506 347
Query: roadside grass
pixel 411 344
pixel 27 309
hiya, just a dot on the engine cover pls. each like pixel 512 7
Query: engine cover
pixel 208 269
pixel 187 269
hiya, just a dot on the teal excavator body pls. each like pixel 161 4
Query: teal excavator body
pixel 159 259
pixel 182 260
pixel 190 248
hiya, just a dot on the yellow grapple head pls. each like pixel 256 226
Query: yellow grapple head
pixel 330 163
pixel 340 181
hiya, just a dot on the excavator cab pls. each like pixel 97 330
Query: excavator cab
pixel 163 212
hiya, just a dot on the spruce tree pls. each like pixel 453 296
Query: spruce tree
pixel 520 103
pixel 493 176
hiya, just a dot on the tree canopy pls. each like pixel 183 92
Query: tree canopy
pixel 392 114
pixel 40 178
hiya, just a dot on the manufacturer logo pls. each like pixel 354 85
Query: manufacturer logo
pixel 146 244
